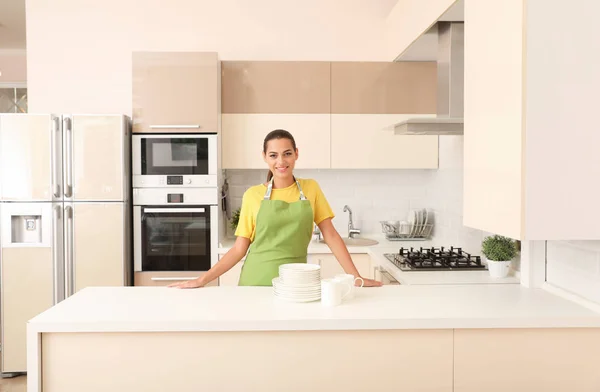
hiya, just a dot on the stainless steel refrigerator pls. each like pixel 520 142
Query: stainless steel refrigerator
pixel 64 215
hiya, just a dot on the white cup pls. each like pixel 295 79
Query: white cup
pixel 334 291
pixel 350 280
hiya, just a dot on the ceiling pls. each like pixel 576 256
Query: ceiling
pixel 12 24
pixel 425 47
pixel 12 29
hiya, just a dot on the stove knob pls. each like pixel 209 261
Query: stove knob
pixel 189 180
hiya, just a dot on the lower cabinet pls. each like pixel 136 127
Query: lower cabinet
pixel 232 277
pixel 165 278
pixel 523 360
pixel 331 267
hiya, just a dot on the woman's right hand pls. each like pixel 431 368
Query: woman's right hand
pixel 188 284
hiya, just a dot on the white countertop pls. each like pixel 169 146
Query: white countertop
pixel 405 277
pixel 130 309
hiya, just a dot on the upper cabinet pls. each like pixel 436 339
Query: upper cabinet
pixel 336 112
pixel 367 97
pixel 261 96
pixel 530 146
pixel 176 92
pixel 283 87
pixel 383 87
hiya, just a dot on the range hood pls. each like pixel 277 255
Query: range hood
pixel 450 87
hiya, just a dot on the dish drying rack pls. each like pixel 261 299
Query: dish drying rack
pixel 401 231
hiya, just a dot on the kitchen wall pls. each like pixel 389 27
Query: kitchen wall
pixel 375 195
pixel 79 52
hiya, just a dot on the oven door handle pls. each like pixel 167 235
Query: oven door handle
pixel 172 278
pixel 184 126
pixel 172 210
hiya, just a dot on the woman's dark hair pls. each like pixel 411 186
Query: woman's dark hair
pixel 277 134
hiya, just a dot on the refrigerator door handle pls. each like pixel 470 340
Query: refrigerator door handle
pixel 55 253
pixel 69 153
pixel 55 169
pixel 69 278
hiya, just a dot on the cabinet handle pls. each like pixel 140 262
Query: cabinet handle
pixel 170 278
pixel 389 277
pixel 174 126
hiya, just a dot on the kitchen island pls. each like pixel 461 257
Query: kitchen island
pixel 409 338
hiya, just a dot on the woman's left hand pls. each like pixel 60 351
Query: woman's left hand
pixel 368 282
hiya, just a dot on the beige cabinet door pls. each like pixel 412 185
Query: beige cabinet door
pixel 175 92
pixel 30 160
pixel 95 155
pixel 165 278
pixel 28 283
pixel 383 87
pixel 523 360
pixel 359 141
pixel 331 267
pixel 99 253
pixel 276 87
pixel 244 134
pixel 232 277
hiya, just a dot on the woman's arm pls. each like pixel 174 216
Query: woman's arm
pixel 340 251
pixel 231 258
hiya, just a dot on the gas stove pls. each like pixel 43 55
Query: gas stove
pixel 435 259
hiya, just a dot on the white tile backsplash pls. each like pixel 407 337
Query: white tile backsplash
pixel 575 266
pixel 376 195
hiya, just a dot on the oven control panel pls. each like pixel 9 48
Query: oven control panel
pixel 174 180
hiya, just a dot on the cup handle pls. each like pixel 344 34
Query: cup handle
pixel 361 280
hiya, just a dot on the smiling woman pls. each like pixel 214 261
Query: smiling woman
pixel 277 220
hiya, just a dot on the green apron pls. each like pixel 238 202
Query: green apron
pixel 283 232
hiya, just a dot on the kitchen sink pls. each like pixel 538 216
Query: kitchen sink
pixel 357 241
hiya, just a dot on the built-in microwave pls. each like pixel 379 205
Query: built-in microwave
pixel 174 160
pixel 175 229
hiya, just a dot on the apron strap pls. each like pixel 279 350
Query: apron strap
pixel 270 190
pixel 302 197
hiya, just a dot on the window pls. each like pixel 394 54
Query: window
pixel 13 100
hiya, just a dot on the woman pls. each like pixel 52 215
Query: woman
pixel 276 222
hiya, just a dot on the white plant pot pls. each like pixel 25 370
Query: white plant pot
pixel 498 269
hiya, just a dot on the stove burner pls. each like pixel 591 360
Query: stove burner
pixel 435 259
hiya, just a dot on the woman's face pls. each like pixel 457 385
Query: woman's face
pixel 281 157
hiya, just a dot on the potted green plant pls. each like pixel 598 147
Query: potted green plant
pixel 235 219
pixel 499 252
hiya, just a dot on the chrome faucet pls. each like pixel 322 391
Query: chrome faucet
pixel 351 230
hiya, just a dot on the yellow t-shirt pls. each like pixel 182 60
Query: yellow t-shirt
pixel 254 196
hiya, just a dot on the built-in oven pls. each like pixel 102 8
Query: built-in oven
pixel 174 160
pixel 175 229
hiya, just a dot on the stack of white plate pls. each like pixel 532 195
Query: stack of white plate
pixel 298 282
